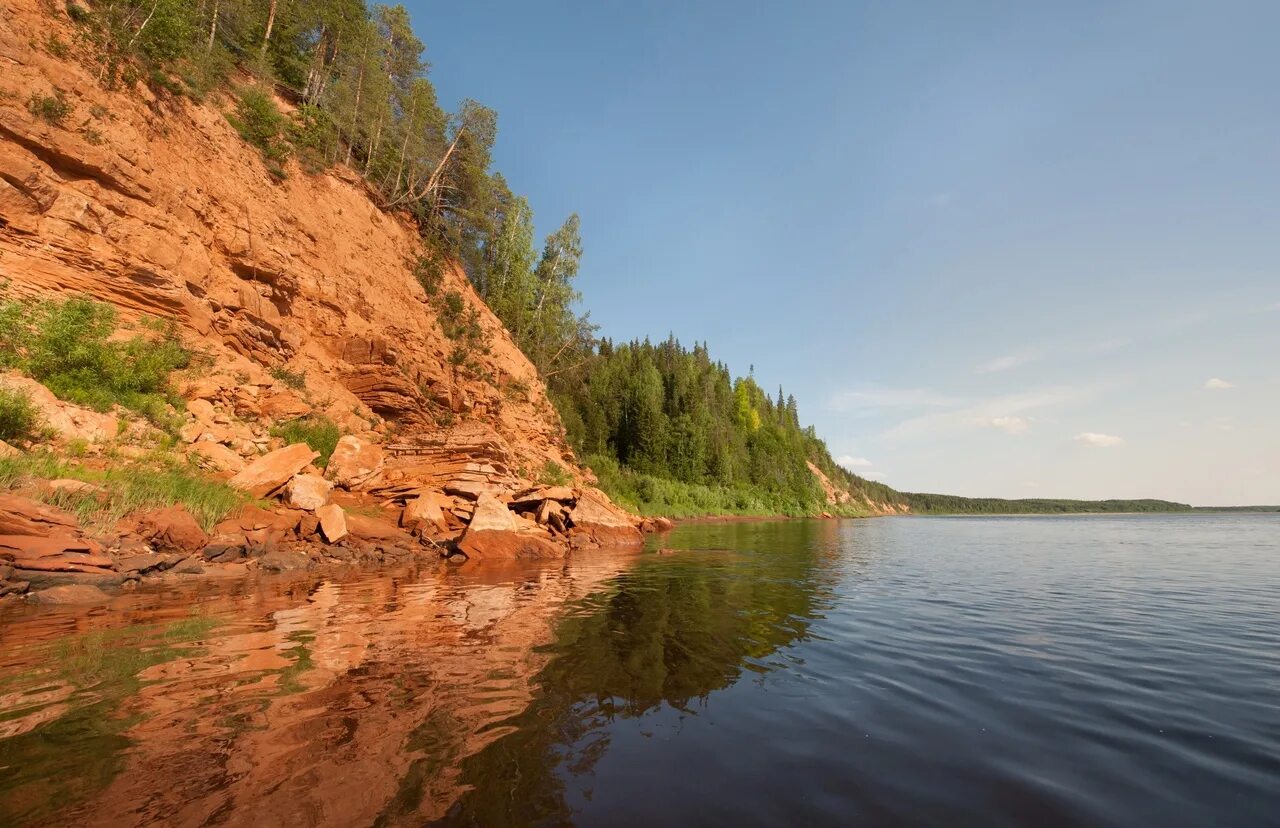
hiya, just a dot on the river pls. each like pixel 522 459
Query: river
pixel 1110 670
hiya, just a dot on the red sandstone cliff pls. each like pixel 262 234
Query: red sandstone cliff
pixel 156 205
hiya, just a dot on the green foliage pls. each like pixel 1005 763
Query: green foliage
pixel 649 494
pixel 321 433
pixel 261 124
pixel 19 418
pixel 68 346
pixel 314 135
pixel 686 437
pixel 936 504
pixel 57 46
pixel 52 108
pixel 153 483
pixel 429 272
pixel 553 474
pixel 297 380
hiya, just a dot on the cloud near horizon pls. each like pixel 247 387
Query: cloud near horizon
pixel 1093 438
pixel 875 397
pixel 1007 362
pixel 1001 412
pixel 850 462
pixel 1216 384
pixel 1011 425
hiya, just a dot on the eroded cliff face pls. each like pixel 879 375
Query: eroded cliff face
pixel 154 204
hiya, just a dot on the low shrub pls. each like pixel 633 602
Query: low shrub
pixel 51 108
pixel 296 380
pixel 19 419
pixel 321 433
pixel 57 46
pixel 261 124
pixel 314 135
pixel 66 345
pixel 553 474
pixel 430 274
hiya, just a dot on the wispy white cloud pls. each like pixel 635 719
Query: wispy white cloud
pixel 1217 384
pixel 874 397
pixel 940 200
pixel 850 462
pixel 1007 362
pixel 1093 438
pixel 983 413
pixel 1105 346
pixel 1012 425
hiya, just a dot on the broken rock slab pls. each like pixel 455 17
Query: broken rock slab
pixel 217 457
pixel 273 469
pixel 596 521
pixel 423 512
pixel 307 491
pixel 355 463
pixel 333 522
pixel 24 516
pixel 495 533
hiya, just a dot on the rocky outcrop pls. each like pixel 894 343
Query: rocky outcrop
pixel 298 298
pixel 333 522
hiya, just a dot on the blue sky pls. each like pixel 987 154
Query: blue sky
pixel 993 248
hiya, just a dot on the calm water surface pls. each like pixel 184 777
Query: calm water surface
pixel 991 671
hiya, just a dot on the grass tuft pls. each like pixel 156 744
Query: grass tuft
pixel 321 433
pixel 145 485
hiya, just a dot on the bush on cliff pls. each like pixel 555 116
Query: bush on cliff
pixel 260 123
pixel 18 416
pixel 71 347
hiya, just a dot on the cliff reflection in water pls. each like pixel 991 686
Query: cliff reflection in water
pixel 669 631
pixel 305 702
pixel 466 696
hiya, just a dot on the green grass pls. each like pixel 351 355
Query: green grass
pixel 553 474
pixel 68 346
pixel 648 495
pixel 321 433
pixel 126 488
pixel 19 419
pixel 297 380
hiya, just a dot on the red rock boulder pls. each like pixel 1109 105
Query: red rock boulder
pixel 172 530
